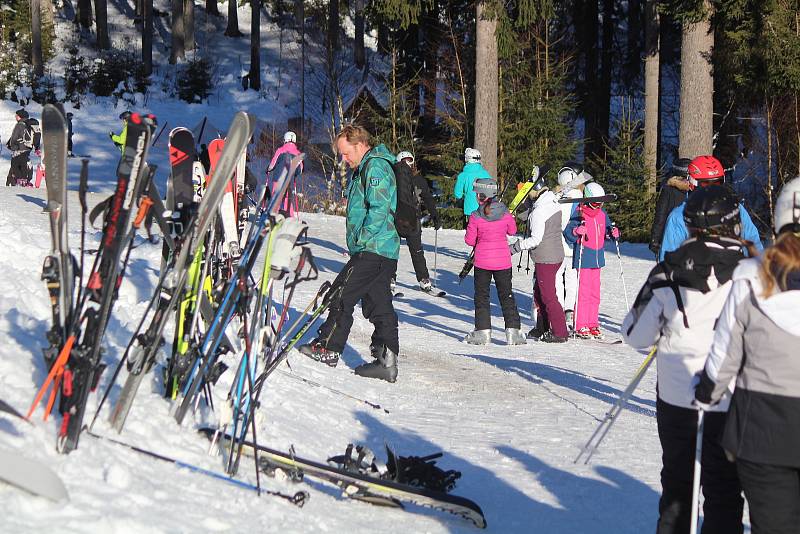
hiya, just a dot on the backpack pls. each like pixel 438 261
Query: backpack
pixel 406 216
pixel 32 136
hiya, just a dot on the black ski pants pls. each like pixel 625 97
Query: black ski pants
pixel 502 280
pixel 773 495
pixel 414 243
pixel 366 278
pixel 19 168
pixel 723 505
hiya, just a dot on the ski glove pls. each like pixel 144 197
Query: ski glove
pixel 615 232
pixel 702 390
pixel 579 230
pixel 437 224
pixel 514 247
pixel 285 248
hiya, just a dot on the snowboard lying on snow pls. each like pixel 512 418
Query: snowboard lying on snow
pixel 356 485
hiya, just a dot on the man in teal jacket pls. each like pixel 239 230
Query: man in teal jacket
pixel 374 247
pixel 473 170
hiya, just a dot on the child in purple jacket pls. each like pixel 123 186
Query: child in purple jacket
pixel 586 232
pixel 487 231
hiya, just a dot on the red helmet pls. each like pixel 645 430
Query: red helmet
pixel 705 170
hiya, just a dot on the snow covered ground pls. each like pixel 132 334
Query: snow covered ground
pixel 511 419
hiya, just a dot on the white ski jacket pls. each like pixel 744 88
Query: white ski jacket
pixel 677 309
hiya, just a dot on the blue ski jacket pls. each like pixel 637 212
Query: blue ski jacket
pixel 675 231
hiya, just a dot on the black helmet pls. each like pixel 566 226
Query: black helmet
pixel 22 114
pixel 713 210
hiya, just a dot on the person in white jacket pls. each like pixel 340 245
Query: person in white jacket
pixel 567 276
pixel 757 342
pixel 547 251
pixel 676 310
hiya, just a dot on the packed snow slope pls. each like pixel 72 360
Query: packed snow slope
pixel 511 419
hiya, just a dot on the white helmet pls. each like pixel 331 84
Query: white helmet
pixel 787 208
pixel 566 175
pixel 472 155
pixel 289 137
pixel 593 189
pixel 405 154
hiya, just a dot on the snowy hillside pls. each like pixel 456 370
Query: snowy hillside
pixel 511 419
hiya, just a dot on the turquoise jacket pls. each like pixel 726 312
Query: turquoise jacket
pixel 463 187
pixel 371 203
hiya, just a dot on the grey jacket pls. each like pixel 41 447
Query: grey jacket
pixel 545 227
pixel 757 340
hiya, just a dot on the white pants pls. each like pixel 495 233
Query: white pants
pixel 567 284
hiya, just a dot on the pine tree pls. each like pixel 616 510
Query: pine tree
pixel 621 172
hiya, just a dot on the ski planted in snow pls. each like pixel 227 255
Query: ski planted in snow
pixel 81 358
pixel 58 270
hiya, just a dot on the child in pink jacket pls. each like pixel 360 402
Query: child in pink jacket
pixel 487 231
pixel 586 232
pixel 289 204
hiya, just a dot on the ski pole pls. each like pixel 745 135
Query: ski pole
pixel 578 284
pixel 622 273
pixel 435 253
pixel 698 455
pixel 333 390
pixel 612 414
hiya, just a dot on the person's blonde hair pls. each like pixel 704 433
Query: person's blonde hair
pixel 778 261
pixel 354 134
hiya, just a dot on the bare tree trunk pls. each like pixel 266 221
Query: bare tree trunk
pixel 255 45
pixel 188 24
pixel 36 35
pixel 359 56
pixel 212 8
pixel 633 61
pixel 607 64
pixel 84 14
pixel 430 47
pixel 696 129
pixel 232 30
pixel 586 26
pixel 147 37
pixel 651 94
pixel 101 21
pixel 486 88
pixel 178 51
pixel 333 25
pixel 299 12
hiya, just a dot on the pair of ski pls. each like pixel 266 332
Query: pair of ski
pixel 356 485
pixel 79 322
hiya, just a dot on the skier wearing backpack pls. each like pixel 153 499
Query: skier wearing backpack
pixel 473 170
pixel 677 310
pixel 289 147
pixel 374 246
pixel 20 143
pixel 414 241
pixel 703 172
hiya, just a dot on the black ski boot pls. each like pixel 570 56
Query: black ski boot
pixel 384 367
pixel 318 352
pixel 539 330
